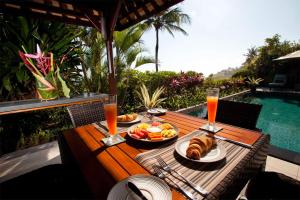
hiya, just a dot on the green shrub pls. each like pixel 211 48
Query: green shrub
pixel 22 130
pixel 182 89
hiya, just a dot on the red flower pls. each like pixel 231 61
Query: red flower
pixel 27 63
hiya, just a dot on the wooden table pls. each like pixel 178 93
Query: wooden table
pixel 102 166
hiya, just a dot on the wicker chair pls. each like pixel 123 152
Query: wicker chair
pixel 238 114
pixel 86 113
pixel 272 185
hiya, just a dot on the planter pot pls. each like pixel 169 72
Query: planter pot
pixel 45 93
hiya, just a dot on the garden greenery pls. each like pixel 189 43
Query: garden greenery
pixel 150 101
pixel 259 61
pixel 85 70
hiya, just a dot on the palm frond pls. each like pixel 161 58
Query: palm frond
pixel 253 81
pixel 169 30
pixel 132 55
pixel 142 60
pixel 177 28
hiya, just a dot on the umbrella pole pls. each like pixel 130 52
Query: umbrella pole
pixel 109 20
pixel 111 69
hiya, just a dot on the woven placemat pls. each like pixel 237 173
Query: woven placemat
pixel 207 175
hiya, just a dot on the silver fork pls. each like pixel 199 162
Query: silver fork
pixel 161 175
pixel 168 169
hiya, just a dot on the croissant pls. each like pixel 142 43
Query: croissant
pixel 199 146
pixel 127 117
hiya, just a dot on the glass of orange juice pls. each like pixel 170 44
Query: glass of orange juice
pixel 110 113
pixel 212 105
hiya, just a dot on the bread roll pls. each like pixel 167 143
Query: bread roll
pixel 199 146
pixel 194 151
pixel 127 117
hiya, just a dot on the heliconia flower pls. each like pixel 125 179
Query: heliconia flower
pixel 40 65
pixel 37 55
pixel 27 63
pixel 44 64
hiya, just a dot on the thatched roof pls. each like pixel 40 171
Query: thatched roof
pixel 87 12
pixel 290 56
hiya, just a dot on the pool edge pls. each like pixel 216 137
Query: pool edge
pixel 284 154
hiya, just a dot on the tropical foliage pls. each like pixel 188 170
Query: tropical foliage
pixel 170 21
pixel 153 101
pixel 191 93
pixel 129 54
pixel 93 60
pixel 22 130
pixel 85 70
pixel 58 38
pixel 47 74
pixel 254 81
pixel 260 60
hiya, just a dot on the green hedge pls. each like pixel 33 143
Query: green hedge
pixel 177 97
pixel 22 130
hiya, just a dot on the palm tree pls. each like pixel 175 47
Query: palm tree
pixel 93 60
pixel 129 48
pixel 129 53
pixel 251 54
pixel 169 20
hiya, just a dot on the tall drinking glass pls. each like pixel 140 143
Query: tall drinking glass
pixel 110 113
pixel 212 105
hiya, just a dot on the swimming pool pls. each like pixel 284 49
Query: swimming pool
pixel 279 117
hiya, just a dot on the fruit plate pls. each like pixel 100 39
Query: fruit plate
pixel 167 130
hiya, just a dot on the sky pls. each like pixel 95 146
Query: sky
pixel 221 32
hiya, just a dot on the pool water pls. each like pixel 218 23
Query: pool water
pixel 279 117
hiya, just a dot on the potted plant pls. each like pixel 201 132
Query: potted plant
pixel 253 83
pixel 49 83
pixel 153 101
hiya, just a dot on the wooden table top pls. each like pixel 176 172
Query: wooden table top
pixel 104 166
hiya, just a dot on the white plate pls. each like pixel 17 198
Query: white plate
pixel 152 188
pixel 215 154
pixel 130 129
pixel 156 111
pixel 138 119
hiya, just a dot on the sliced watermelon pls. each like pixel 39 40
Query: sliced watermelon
pixel 145 132
pixel 141 134
pixel 135 136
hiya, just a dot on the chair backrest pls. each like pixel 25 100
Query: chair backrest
pixel 238 114
pixel 280 78
pixel 88 113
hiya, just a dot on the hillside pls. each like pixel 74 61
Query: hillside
pixel 225 73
